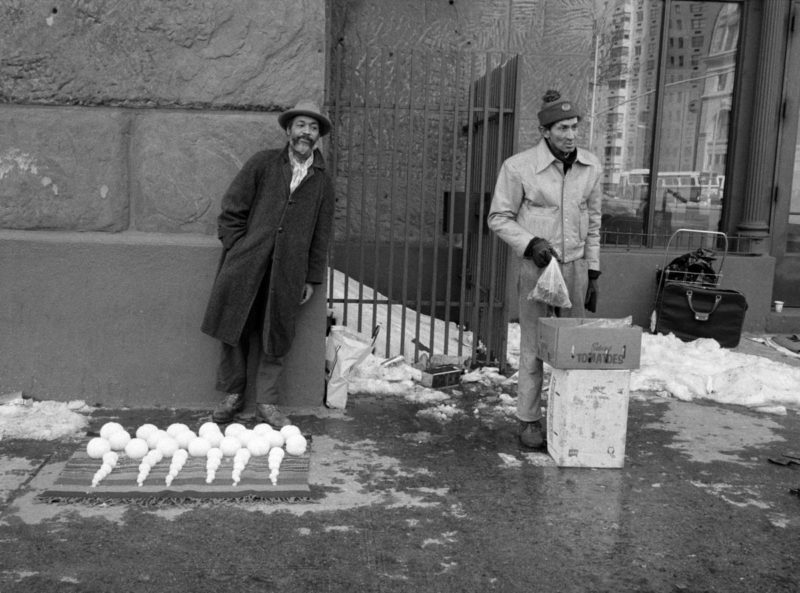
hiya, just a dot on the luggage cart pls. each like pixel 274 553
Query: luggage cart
pixel 689 301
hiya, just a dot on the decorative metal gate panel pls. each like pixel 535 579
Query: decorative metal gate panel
pixel 416 144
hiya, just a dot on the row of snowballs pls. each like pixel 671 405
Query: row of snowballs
pixel 258 440
pixel 178 442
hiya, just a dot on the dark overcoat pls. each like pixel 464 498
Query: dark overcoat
pixel 261 222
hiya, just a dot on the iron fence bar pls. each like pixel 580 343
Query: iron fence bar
pixel 479 182
pixel 364 178
pixel 493 245
pixel 468 191
pixel 378 185
pixel 334 153
pixel 390 278
pixel 348 207
pixel 451 218
pixel 422 209
pixel 438 200
pixel 407 200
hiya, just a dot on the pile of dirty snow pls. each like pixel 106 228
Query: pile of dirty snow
pixel 22 418
pixel 701 369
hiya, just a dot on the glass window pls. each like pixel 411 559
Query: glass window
pixel 694 106
pixel 793 230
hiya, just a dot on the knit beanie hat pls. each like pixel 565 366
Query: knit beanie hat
pixel 554 109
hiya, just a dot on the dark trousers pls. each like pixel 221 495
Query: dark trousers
pixel 235 362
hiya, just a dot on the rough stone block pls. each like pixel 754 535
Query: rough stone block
pixel 63 168
pixel 182 163
pixel 248 53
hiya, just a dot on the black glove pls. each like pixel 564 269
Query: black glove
pixel 592 291
pixel 540 251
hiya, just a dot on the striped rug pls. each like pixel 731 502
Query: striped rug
pixel 75 480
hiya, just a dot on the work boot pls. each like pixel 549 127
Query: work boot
pixel 531 434
pixel 227 408
pixel 271 415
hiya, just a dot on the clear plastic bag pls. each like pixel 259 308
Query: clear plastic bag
pixel 551 288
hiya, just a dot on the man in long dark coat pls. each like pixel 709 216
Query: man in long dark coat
pixel 274 226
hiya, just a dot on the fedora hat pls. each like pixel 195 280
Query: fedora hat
pixel 310 109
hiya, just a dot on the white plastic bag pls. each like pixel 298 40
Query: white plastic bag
pixel 344 350
pixel 551 288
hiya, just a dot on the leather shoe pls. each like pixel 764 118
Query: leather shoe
pixel 227 408
pixel 531 434
pixel 271 415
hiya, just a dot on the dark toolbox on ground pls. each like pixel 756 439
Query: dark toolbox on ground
pixel 589 343
pixel 442 376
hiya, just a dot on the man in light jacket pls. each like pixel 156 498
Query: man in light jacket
pixel 547 204
pixel 274 227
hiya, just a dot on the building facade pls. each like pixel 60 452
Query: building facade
pixel 121 125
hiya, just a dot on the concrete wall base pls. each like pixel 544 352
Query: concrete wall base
pixel 113 319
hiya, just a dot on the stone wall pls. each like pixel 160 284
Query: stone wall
pixel 121 125
pixel 554 39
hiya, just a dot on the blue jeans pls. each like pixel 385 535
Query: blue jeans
pixel 531 368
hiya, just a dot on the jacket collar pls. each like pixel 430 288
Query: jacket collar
pixel 544 157
pixel 319 161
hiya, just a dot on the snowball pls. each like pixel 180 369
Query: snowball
pixel 154 437
pixel 263 428
pixel 110 428
pixel 110 458
pixel 242 457
pixel 244 436
pixel 215 438
pixel 119 439
pixel 206 428
pixel 234 429
pixel 167 446
pixel 229 446
pixel 136 448
pixel 97 447
pixel 180 456
pixel 259 445
pixel 289 429
pixel 198 447
pixel 296 444
pixel 153 456
pixel 211 433
pixel 276 439
pixel 145 430
pixel 176 428
pixel 185 437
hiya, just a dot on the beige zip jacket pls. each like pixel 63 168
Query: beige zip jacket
pixel 533 198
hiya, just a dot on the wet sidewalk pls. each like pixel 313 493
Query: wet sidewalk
pixel 405 500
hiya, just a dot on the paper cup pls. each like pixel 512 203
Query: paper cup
pixel 778 306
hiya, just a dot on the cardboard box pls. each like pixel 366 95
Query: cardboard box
pixel 577 343
pixel 587 417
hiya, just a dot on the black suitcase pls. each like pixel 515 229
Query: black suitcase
pixel 691 305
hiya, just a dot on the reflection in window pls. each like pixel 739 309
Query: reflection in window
pixel 793 234
pixel 693 118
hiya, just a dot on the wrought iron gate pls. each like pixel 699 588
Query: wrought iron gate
pixel 417 140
